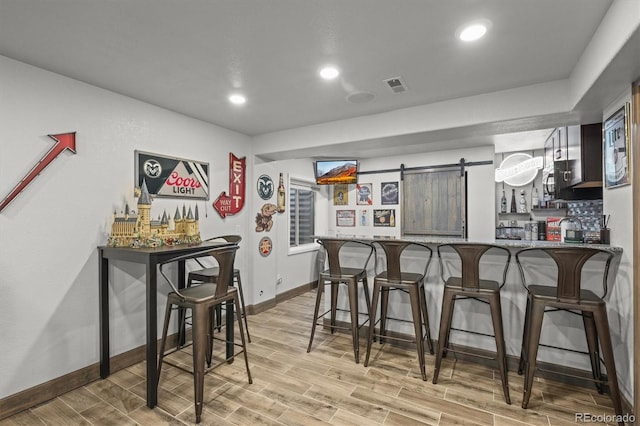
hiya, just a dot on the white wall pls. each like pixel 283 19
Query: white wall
pixel 617 204
pixel 294 267
pixel 49 233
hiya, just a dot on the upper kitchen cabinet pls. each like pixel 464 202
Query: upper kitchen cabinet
pixel 554 176
pixel 584 156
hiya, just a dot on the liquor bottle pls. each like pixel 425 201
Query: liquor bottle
pixel 281 195
pixel 392 219
pixel 522 206
pixel 514 206
pixel 503 203
pixel 535 199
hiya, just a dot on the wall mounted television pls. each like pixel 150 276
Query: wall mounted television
pixel 331 172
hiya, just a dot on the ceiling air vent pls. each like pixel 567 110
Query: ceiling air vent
pixel 396 84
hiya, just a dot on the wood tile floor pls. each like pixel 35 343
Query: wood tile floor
pixel 324 387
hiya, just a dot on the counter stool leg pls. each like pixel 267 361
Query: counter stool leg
pixel 367 299
pixel 501 356
pixel 353 308
pixel 449 322
pixel 372 321
pixel 592 344
pixel 425 318
pixel 525 336
pixel 200 316
pixel 319 291
pixel 416 313
pixel 335 285
pixel 445 324
pixel 244 309
pixel 602 326
pixel 384 303
pixel 536 315
pixel 244 344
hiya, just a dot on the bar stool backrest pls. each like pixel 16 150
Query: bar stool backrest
pixel 470 255
pixel 228 238
pixel 333 247
pixel 224 256
pixel 393 250
pixel 234 239
pixel 570 262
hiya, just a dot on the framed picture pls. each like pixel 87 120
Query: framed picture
pixel 364 194
pixel 364 217
pixel 341 195
pixel 345 218
pixel 171 177
pixel 617 155
pixel 384 217
pixel 389 192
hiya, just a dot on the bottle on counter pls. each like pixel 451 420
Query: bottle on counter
pixel 281 195
pixel 514 206
pixel 503 203
pixel 522 205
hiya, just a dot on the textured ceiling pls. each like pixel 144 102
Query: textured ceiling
pixel 187 56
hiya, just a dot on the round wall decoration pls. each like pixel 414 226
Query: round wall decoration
pixel 265 246
pixel 518 169
pixel 265 187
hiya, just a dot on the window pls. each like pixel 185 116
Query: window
pixel 301 215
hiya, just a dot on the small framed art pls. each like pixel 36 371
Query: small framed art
pixel 341 194
pixel 345 218
pixel 389 192
pixel 384 217
pixel 616 151
pixel 364 193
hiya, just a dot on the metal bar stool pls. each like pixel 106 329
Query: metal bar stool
pixel 394 278
pixel 210 275
pixel 567 295
pixel 350 276
pixel 469 286
pixel 202 300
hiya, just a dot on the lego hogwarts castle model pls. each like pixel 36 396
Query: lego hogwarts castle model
pixel 138 230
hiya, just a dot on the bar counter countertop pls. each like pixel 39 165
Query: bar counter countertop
pixel 511 244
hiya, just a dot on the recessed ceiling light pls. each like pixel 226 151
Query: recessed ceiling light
pixel 329 72
pixel 474 30
pixel 237 99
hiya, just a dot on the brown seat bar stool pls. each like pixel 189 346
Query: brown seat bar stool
pixel 202 300
pixel 394 278
pixel 210 275
pixel 567 295
pixel 338 274
pixel 470 286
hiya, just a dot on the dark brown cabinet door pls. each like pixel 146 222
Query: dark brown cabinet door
pixel 592 152
pixel 585 156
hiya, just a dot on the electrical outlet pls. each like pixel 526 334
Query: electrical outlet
pixel 261 293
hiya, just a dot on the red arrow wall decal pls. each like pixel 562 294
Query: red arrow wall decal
pixel 233 203
pixel 63 141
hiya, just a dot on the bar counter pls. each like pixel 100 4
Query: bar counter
pixel 559 329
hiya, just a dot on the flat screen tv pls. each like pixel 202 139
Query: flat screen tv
pixel 331 172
